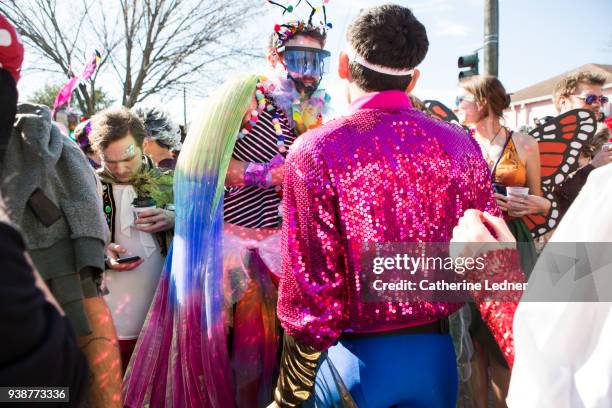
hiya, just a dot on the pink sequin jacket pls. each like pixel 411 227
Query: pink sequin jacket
pixel 384 173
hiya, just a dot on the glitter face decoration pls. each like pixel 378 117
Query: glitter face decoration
pixel 121 161
pixel 128 154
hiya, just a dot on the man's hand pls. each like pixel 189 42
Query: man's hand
pixel 602 158
pixel 154 220
pixel 471 237
pixel 273 405
pixel 114 252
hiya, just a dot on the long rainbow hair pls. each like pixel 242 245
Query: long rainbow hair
pixel 181 358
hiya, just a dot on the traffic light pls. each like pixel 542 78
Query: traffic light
pixel 468 61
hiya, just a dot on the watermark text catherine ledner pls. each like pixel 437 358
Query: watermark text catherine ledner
pixel 426 272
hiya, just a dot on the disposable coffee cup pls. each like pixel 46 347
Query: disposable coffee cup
pixel 142 204
pixel 520 191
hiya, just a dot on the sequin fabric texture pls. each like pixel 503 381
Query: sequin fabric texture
pixel 384 173
pixel 501 265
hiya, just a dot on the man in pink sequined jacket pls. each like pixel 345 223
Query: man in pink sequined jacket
pixel 384 173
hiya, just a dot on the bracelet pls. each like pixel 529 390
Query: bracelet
pixel 258 175
pixel 276 161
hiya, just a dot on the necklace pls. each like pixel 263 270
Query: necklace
pixel 264 104
pixel 307 114
pixel 486 149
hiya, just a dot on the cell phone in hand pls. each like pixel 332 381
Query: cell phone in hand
pixel 128 259
pixel 499 188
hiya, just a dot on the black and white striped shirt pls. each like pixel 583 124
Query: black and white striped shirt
pixel 255 207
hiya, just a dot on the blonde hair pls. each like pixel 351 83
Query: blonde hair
pixel 568 85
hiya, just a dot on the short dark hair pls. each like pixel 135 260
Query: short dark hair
pixel 387 35
pixel 114 124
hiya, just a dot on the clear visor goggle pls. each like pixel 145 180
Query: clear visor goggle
pixel 305 61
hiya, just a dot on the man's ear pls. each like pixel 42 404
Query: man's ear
pixel 415 77
pixel 344 71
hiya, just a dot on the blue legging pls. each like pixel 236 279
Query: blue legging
pixel 409 370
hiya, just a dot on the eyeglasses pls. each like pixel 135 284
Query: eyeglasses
pixel 590 99
pixel 461 98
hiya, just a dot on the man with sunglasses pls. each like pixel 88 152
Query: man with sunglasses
pixel 580 90
pixel 304 62
pixel 299 62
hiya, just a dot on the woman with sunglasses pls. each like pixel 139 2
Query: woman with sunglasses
pixel 514 161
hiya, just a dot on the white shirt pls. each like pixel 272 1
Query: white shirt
pixel 563 355
pixel 131 292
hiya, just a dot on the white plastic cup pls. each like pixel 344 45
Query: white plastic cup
pixel 138 210
pixel 520 191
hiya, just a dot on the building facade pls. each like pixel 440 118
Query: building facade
pixel 535 101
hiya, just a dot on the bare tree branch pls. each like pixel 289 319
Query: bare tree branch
pixel 148 46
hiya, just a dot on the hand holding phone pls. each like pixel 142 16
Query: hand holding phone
pixel 113 253
pixel 499 189
pixel 128 259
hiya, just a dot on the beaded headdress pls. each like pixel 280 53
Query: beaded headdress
pixel 284 32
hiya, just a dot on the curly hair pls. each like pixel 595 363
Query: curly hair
pixel 568 85
pixel 159 126
pixel 387 35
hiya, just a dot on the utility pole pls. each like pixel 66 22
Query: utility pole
pixel 185 108
pixel 491 36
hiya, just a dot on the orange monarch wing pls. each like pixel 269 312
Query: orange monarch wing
pixel 541 224
pixel 440 111
pixel 559 141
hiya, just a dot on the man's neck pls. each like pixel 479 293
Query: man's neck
pixel 355 92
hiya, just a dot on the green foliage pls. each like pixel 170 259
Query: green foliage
pixel 155 184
